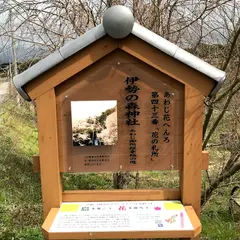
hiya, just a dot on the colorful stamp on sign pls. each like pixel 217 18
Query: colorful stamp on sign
pixel 69 207
pixel 173 206
pixel 182 219
pixel 172 219
pixel 85 209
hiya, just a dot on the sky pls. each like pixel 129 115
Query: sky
pixel 85 109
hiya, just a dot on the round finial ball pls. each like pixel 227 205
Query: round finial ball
pixel 118 21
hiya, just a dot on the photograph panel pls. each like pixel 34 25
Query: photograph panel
pixel 94 123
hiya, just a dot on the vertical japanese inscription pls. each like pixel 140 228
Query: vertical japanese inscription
pixel 155 123
pixel 166 117
pixel 132 112
pixel 132 147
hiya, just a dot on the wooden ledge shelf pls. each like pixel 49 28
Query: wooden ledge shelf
pixel 168 233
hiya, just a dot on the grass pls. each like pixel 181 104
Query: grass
pixel 217 221
pixel 20 190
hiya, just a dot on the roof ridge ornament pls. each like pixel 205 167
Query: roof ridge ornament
pixel 118 21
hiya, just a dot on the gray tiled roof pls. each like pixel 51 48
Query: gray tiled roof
pixel 118 19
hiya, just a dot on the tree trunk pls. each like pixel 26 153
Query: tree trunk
pixel 225 174
pixel 121 180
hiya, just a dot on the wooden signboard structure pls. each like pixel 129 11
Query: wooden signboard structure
pixel 153 91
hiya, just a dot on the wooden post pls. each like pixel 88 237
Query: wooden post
pixel 48 147
pixel 190 175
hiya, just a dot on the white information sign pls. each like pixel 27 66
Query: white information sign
pixel 121 216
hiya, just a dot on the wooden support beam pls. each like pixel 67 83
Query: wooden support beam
pixel 205 160
pixel 48 148
pixel 190 175
pixel 121 195
pixel 36 163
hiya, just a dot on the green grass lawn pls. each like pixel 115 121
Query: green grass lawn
pixel 217 221
pixel 20 190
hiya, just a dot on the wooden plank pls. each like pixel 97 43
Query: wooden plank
pixel 122 235
pixel 194 220
pixel 121 195
pixel 36 163
pixel 190 176
pixel 48 148
pixel 48 221
pixel 205 160
pixel 192 163
pixel 70 67
pixel 167 64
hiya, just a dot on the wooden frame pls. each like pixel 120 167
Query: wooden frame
pixel 48 147
pixel 166 64
pixel 70 67
pixel 49 88
pixel 191 174
pixel 121 195
pixel 133 46
pixel 192 163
